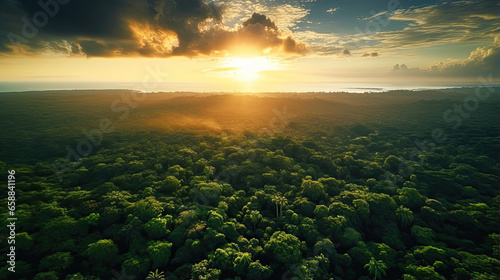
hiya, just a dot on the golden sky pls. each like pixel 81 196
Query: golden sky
pixel 249 45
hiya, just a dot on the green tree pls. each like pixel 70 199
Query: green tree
pixel 159 252
pixel 169 185
pixel 422 235
pixel 258 271
pixel 24 241
pixel 321 211
pixel 147 208
pixel 350 237
pixel 155 275
pixel 221 258
pixel 423 272
pixel 201 271
pixel 411 198
pixel 313 190
pixel 286 248
pixel 280 201
pixel 156 228
pixel 325 247
pixel 392 163
pixel 215 220
pixel 51 275
pixel 93 219
pixel 56 262
pixel 405 216
pixel 430 254
pixel 376 268
pixel 103 251
pixel 135 266
pixel 241 263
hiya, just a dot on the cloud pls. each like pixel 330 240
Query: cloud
pixel 373 54
pixel 156 28
pixel 321 43
pixel 483 61
pixel 332 10
pixel 384 13
pixel 439 24
pixel 346 52
pixel 286 16
pixel 415 27
pixel 403 68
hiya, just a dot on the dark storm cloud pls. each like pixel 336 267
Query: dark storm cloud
pixel 133 27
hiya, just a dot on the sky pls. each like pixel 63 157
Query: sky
pixel 265 45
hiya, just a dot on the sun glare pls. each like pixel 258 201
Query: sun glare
pixel 248 69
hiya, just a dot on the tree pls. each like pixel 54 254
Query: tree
pixel 155 275
pixel 215 220
pixel 423 272
pixel 286 248
pixel 363 208
pixel 255 217
pixel 201 271
pixel 241 263
pixel 313 190
pixel 56 262
pixel 103 251
pixel 321 211
pixel 411 198
pixel 206 193
pixel 169 185
pixel 135 266
pixel 147 208
pixel 51 275
pixel 280 201
pixel 257 271
pixel 93 219
pixel 24 241
pixel 422 235
pixel 156 228
pixel 376 268
pixel 350 237
pixel 405 216
pixel 430 254
pixel 221 259
pixel 325 247
pixel 392 163
pixel 159 253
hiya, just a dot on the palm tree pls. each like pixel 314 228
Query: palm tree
pixel 156 275
pixel 376 268
pixel 280 201
pixel 255 217
pixel 404 215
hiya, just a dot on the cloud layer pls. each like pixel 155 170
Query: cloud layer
pixel 157 28
pixel 483 61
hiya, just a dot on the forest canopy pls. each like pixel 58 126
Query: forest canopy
pixel 271 186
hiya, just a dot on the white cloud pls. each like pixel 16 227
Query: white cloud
pixel 286 16
pixel 332 10
pixel 482 61
pixel 449 22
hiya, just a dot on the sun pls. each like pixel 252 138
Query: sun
pixel 248 69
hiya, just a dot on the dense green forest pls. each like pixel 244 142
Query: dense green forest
pixel 395 185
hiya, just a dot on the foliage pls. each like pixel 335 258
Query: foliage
pixel 155 275
pixel 286 248
pixel 326 196
pixel 376 268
